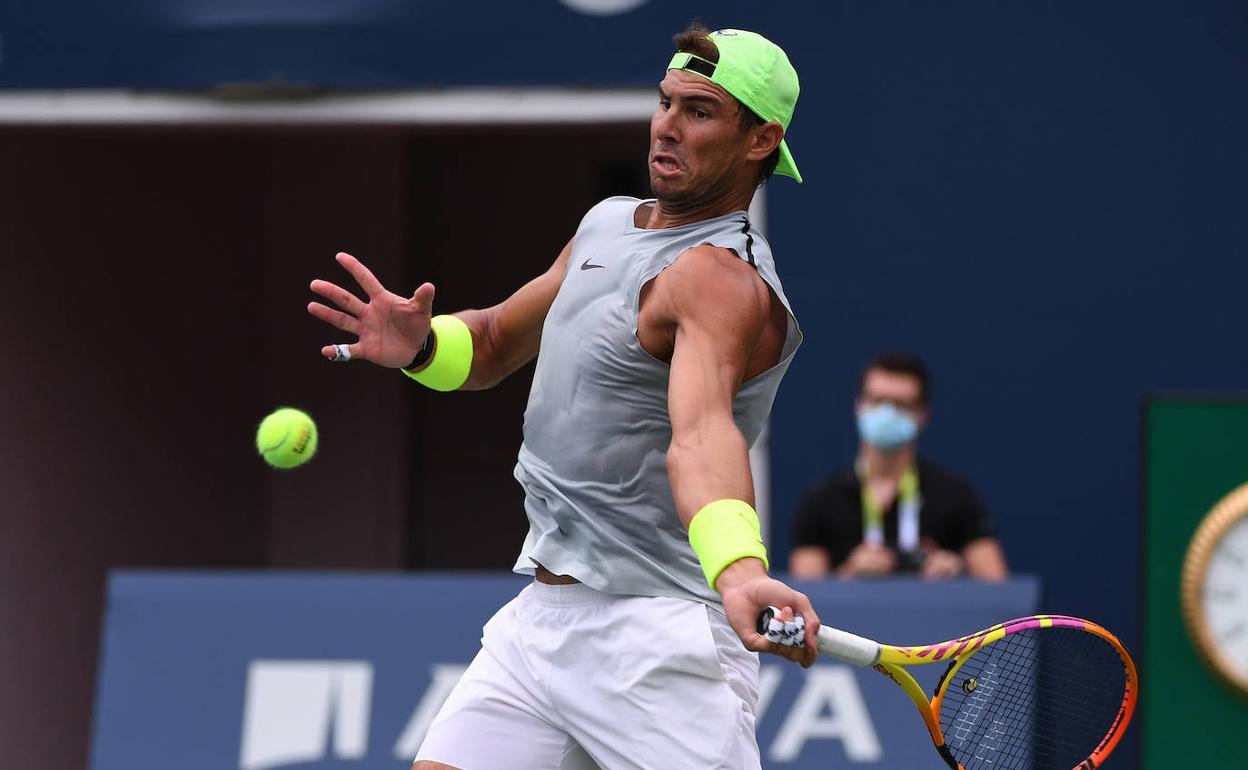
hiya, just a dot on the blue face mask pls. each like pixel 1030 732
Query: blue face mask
pixel 886 427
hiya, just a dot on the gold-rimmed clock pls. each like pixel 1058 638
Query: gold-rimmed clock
pixel 1214 589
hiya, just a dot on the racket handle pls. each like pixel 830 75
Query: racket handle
pixel 839 644
pixel 848 647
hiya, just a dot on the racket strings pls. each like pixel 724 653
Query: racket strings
pixel 1034 700
pixel 1005 722
pixel 1044 717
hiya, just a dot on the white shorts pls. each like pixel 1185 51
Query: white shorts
pixel 569 678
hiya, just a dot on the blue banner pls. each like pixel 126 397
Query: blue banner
pixel 351 43
pixel 313 672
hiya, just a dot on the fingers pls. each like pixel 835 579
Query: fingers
pixel 423 298
pixel 333 352
pixel 362 275
pixel 785 629
pixel 335 318
pixel 941 564
pixel 786 635
pixel 807 611
pixel 789 635
pixel 804 648
pixel 873 559
pixel 794 646
pixel 796 654
pixel 339 296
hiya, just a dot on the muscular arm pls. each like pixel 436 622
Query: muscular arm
pixel 717 307
pixel 506 336
pixel 718 315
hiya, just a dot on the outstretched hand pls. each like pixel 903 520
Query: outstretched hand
pixel 391 329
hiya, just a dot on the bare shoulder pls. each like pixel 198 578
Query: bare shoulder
pixel 707 277
pixel 712 294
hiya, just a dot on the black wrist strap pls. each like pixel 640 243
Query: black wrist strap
pixel 424 354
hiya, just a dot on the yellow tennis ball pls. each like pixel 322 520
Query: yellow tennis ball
pixel 286 438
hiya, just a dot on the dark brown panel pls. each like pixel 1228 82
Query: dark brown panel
pixel 490 212
pixel 155 291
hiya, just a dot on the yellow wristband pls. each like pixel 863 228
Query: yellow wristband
pixel 452 358
pixel 723 532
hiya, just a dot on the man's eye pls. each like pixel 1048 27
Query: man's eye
pixel 701 114
pixel 665 104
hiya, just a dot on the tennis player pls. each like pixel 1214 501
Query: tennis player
pixel 661 334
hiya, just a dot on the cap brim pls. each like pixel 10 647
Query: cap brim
pixel 786 166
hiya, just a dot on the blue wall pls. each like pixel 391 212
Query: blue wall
pixel 1047 200
pixel 197 669
pixel 1050 203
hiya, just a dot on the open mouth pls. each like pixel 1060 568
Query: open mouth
pixel 665 163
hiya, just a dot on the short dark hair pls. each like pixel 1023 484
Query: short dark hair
pixel 901 363
pixel 695 40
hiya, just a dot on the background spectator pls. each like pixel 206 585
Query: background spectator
pixel 893 512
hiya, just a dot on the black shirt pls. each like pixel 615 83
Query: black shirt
pixel 950 513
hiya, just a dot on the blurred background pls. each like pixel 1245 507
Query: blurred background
pixel 1047 201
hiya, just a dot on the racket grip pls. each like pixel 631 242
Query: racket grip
pixel 839 644
pixel 848 647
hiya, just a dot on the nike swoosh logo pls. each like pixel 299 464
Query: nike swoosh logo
pixel 587 265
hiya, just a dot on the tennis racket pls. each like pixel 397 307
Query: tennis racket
pixel 1047 692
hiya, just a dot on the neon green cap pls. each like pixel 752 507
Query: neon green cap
pixel 757 72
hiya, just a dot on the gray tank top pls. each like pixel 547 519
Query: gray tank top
pixel 596 431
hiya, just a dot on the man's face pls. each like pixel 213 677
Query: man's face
pixel 902 390
pixel 697 149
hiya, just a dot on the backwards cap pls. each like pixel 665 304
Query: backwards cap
pixel 757 73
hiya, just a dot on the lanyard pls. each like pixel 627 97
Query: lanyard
pixel 907 511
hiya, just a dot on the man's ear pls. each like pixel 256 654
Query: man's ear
pixel 765 139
